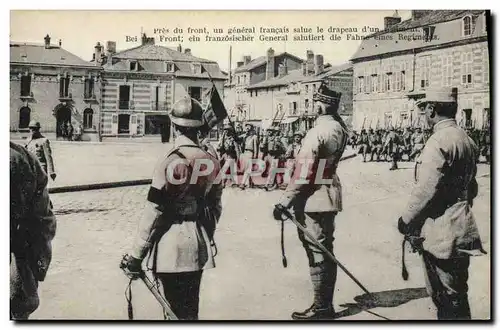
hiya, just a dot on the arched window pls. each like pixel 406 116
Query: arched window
pixel 467 25
pixel 87 118
pixel 24 117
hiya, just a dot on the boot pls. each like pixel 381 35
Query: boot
pixel 314 313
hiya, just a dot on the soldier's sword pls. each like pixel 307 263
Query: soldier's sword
pixel 320 246
pixel 163 302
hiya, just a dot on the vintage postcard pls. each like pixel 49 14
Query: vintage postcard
pixel 250 165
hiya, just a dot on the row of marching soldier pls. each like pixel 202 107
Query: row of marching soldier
pixel 394 144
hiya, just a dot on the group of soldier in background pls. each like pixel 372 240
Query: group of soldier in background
pixel 269 145
pixel 405 144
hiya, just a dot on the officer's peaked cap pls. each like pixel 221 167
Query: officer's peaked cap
pixel 326 95
pixel 187 112
pixel 441 95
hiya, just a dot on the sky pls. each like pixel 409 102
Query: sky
pixel 81 30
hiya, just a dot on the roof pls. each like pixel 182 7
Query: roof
pixel 389 40
pixel 261 60
pixel 292 76
pixel 21 52
pixel 156 52
pixel 151 58
pixel 331 71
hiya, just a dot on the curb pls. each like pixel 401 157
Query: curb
pixel 96 186
pixel 118 184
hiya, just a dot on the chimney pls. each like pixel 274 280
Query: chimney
pixel 318 64
pixel 282 69
pixel 98 52
pixel 247 59
pixel 179 48
pixel 390 21
pixel 110 47
pixel 309 62
pixel 47 41
pixel 304 68
pixel 270 64
pixel 60 43
pixel 417 14
pixel 187 51
pixel 240 63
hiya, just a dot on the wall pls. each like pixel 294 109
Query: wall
pixel 475 95
pixel 45 89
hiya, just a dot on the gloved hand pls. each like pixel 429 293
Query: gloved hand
pixel 131 266
pixel 279 212
pixel 403 227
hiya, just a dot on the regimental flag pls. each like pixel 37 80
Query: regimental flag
pixel 215 111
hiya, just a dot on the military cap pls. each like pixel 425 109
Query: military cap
pixel 187 112
pixel 326 95
pixel 248 124
pixel 299 133
pixel 441 95
pixel 34 124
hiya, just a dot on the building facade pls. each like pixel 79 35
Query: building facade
pixel 54 87
pixel 141 84
pixel 433 49
pixel 251 72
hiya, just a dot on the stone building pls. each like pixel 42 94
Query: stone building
pixel 288 97
pixel 432 49
pixel 141 84
pixel 250 72
pixel 55 87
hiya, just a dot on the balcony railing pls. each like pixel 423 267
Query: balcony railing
pixel 125 104
pixel 159 105
pixel 65 97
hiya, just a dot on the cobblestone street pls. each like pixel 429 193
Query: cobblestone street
pixel 95 228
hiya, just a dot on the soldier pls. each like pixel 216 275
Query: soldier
pixel 39 145
pixel 180 217
pixel 316 205
pixel 276 150
pixel 406 142
pixel 418 141
pixel 485 139
pixel 375 145
pixel 391 146
pixel 32 228
pixel 250 151
pixel 294 147
pixel 439 210
pixel 364 141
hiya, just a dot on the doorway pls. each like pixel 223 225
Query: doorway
pixel 63 117
pixel 123 124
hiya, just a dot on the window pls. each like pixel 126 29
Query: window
pixel 87 118
pixel 486 117
pixel 133 66
pixel 486 66
pixel 388 81
pixel 307 104
pixel 447 70
pixel 387 119
pixel 169 67
pixel 397 82
pixel 467 68
pixel 124 97
pixel 293 108
pixel 425 71
pixel 89 88
pixel 239 81
pixel 468 117
pixel 64 87
pixel 26 85
pixel 380 83
pixel 24 117
pixel 361 84
pixel 307 88
pixel 256 94
pixel 374 83
pixel 403 80
pixel 195 93
pixel 314 88
pixel 196 68
pixel 468 25
pixel 368 84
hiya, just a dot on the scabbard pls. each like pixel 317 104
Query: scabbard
pixel 163 302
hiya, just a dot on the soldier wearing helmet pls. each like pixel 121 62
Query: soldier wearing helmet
pixel 39 145
pixel 179 221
